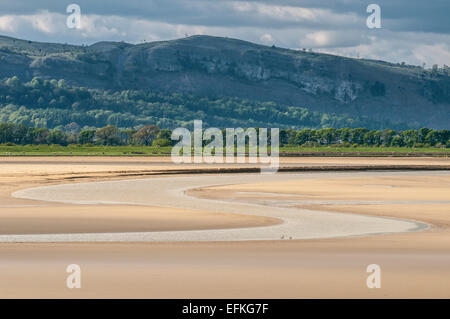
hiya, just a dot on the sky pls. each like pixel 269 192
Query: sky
pixel 412 31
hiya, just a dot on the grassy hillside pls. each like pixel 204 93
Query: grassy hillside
pixel 223 69
pixel 51 104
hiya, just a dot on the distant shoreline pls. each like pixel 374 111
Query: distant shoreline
pixel 151 151
pixel 324 154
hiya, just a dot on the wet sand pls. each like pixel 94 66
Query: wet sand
pixel 171 191
pixel 413 264
pixel 69 219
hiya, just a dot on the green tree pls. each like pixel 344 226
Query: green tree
pixel 344 134
pixel 146 135
pixel 432 138
pixel 13 82
pixel 327 136
pixel 86 136
pixel 36 83
pixel 397 141
pixel 108 135
pixel 126 135
pixel 304 136
pixel 387 136
pixel 410 137
pixel 7 132
pixel 370 138
pixel 422 134
pixel 357 135
pixel 36 135
pixel 161 142
pixel 165 134
pixel 56 137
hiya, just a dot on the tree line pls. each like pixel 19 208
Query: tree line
pixel 152 135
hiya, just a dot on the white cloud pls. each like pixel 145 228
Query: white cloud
pixel 267 39
pixel 299 15
pixel 437 53
pixel 286 26
pixel 333 38
pixel 410 47
pixel 8 24
pixel 320 38
pixel 45 21
pixel 41 22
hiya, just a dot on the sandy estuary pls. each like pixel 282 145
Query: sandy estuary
pixel 287 235
pixel 295 223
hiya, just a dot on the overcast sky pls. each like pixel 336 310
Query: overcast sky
pixel 414 31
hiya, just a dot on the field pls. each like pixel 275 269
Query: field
pixel 95 150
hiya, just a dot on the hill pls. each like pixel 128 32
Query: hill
pixel 220 69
